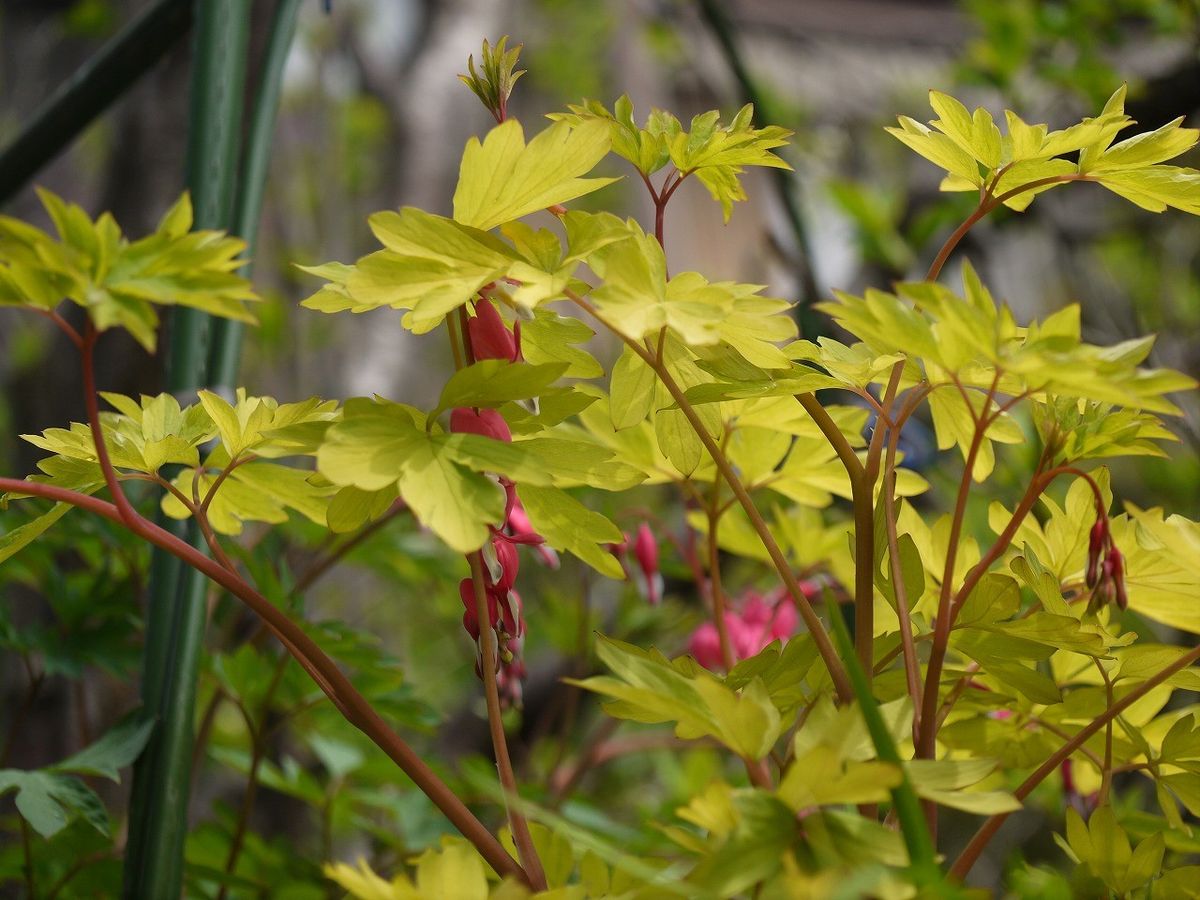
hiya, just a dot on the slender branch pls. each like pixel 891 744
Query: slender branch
pixel 1066 736
pixel 975 847
pixel 220 479
pixel 257 754
pixel 201 517
pixel 833 434
pixel 716 590
pixel 1106 769
pixel 941 634
pixel 755 769
pixel 912 665
pixel 63 325
pixel 488 653
pixel 27 859
pixel 649 187
pixel 1040 483
pixel 863 493
pixel 320 667
pixel 331 559
pixel 820 637
pixel 986 205
pixel 129 515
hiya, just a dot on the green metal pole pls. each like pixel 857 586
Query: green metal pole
pixel 176 614
pixel 226 350
pixel 88 92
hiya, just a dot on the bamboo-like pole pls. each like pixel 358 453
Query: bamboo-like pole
pixel 226 345
pixel 176 615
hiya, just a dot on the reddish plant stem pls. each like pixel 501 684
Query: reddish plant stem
pixel 220 479
pixel 258 750
pixel 717 591
pixel 820 637
pixel 863 494
pixel 908 648
pixel 63 325
pixel 488 653
pixel 986 204
pixel 323 670
pixel 756 769
pixel 323 565
pixel 926 745
pixel 833 434
pixel 1106 769
pixel 974 848
pixel 129 515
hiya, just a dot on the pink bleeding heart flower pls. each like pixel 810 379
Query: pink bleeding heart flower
pixel 490 337
pixel 1115 566
pixel 484 422
pixel 466 592
pixel 751 627
pixel 521 531
pixel 705 646
pixel 645 550
pixel 507 561
pixel 784 622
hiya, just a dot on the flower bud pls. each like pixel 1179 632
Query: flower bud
pixel 1116 563
pixel 484 422
pixel 507 562
pixel 490 337
pixel 785 620
pixel 705 646
pixel 645 549
pixel 1096 541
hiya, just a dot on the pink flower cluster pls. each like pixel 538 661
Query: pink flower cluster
pixel 645 551
pixel 1105 566
pixel 755 621
pixel 489 338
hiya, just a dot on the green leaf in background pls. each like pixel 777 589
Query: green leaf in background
pixel 17 539
pixel 115 750
pixel 50 797
pixel 118 282
pixel 48 801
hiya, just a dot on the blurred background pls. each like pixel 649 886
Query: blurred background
pixel 373 117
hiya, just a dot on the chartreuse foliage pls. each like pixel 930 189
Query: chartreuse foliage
pixel 1015 641
pixel 716 154
pixel 117 281
pixel 1030 159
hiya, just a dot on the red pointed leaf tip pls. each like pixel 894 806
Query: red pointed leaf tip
pixel 490 337
pixel 485 422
